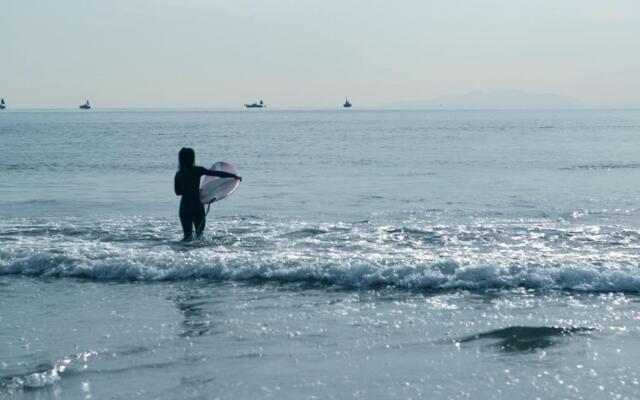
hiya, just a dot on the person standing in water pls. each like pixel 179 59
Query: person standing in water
pixel 187 185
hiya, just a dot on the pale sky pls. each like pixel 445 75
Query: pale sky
pixel 214 53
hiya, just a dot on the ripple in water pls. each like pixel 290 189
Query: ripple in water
pixel 515 339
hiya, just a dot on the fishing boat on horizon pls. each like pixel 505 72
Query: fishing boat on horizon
pixel 346 103
pixel 85 106
pixel 259 104
pixel 3 105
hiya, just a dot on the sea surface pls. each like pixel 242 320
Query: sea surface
pixel 368 254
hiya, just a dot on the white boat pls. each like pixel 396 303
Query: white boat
pixel 256 105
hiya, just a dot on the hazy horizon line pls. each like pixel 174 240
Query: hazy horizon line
pixel 324 108
pixel 432 103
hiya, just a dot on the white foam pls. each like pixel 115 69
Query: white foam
pixel 542 256
pixel 351 272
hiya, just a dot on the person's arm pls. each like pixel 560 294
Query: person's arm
pixel 176 186
pixel 220 174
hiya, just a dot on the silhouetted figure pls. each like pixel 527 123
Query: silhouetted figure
pixel 187 185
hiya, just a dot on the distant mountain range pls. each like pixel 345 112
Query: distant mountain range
pixel 501 99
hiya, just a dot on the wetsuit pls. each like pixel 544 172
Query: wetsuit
pixel 187 185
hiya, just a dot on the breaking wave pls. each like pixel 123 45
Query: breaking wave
pixel 414 254
pixel 42 375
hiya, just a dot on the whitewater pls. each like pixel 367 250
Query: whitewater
pixel 420 253
pixel 367 254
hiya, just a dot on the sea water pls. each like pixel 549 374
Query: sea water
pixel 367 254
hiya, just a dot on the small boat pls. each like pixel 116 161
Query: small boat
pixel 346 103
pixel 85 106
pixel 2 104
pixel 256 105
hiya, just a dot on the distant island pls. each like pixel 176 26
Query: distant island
pixel 501 99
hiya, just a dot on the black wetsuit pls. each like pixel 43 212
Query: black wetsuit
pixel 187 185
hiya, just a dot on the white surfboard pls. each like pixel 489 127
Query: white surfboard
pixel 214 188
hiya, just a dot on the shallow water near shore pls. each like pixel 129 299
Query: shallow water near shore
pixel 367 254
pixel 203 339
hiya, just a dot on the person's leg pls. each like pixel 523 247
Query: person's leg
pixel 187 226
pixel 199 220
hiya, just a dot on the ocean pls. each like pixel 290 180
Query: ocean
pixel 375 254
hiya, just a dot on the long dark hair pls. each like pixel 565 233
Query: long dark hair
pixel 186 157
